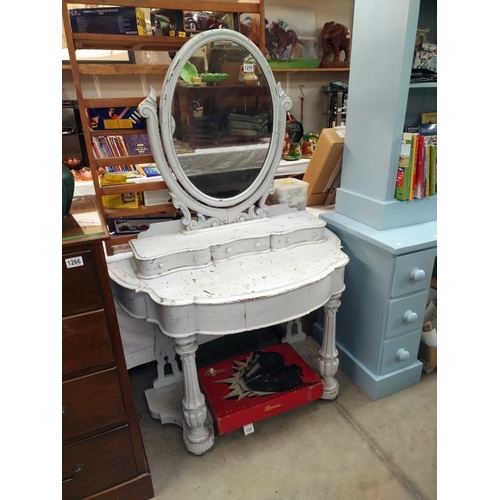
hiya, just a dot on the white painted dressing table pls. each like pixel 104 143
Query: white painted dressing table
pixel 231 264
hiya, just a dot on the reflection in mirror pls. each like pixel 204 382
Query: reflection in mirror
pixel 222 108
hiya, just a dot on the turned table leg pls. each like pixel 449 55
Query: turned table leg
pixel 198 437
pixel 328 362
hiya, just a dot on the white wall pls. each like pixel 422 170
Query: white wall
pixel 315 102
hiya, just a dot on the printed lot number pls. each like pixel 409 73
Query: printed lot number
pixel 74 262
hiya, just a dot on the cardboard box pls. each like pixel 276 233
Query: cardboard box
pixel 158 197
pixel 428 356
pixel 324 167
pixel 258 385
pixel 109 20
pixel 125 200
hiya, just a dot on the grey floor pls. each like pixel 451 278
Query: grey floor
pixel 351 448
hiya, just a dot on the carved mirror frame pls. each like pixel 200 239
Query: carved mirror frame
pixel 211 211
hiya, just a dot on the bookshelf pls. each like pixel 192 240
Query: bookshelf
pixel 392 244
pixel 136 43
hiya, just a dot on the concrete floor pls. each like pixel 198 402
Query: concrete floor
pixel 349 449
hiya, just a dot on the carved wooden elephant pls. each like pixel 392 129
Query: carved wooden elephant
pixel 336 38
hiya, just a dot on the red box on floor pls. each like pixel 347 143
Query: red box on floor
pixel 258 385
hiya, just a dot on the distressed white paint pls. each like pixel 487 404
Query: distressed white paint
pixel 241 275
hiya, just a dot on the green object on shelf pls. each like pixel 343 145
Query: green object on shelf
pixel 68 189
pixel 189 71
pixel 213 77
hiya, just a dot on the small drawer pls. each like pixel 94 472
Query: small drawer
pixel 91 404
pixel 400 352
pixel 97 463
pixel 413 272
pixel 289 239
pixel 80 285
pixel 239 247
pixel 85 342
pixel 406 314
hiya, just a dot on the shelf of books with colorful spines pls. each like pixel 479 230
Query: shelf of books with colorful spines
pixel 124 148
pixel 417 168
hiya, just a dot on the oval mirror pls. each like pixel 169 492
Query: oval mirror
pixel 222 124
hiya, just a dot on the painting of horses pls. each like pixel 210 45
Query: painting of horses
pixel 290 37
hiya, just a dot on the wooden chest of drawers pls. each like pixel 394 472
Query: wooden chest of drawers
pixel 103 455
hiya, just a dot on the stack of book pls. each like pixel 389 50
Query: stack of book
pixel 248 125
pixel 208 127
pixel 114 146
pixel 417 168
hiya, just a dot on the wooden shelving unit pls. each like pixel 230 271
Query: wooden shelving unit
pixel 78 41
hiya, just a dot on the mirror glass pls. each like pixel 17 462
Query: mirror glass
pixel 222 108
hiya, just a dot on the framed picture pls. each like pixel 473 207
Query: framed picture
pixel 291 37
pixel 95 56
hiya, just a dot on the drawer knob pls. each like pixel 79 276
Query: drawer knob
pixel 288 240
pixel 258 245
pixel 77 469
pixel 402 354
pixel 228 250
pixel 410 316
pixel 417 274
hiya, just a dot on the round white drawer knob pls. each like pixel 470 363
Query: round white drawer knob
pixel 196 258
pixel 402 354
pixel 417 274
pixel 288 240
pixel 258 245
pixel 315 235
pixel 160 265
pixel 410 316
pixel 228 250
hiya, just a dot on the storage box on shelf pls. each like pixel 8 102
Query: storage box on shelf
pixel 130 42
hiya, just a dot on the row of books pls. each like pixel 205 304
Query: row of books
pixel 114 146
pixel 417 168
pixel 135 172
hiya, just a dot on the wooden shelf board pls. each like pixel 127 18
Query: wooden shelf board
pixel 132 187
pixel 167 209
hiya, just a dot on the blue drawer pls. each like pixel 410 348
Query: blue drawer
pixel 400 352
pixel 406 314
pixel 413 272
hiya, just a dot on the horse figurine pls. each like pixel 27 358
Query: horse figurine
pixel 336 38
pixel 279 40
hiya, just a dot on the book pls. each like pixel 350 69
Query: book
pixel 429 134
pixel 404 168
pixel 418 191
pixel 149 169
pixel 248 117
pixel 239 124
pixel 137 144
pixel 432 170
pixel 413 165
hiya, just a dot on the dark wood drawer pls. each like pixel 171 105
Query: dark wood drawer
pixel 86 342
pixel 97 463
pixel 91 404
pixel 80 285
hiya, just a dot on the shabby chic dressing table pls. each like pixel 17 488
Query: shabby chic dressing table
pixel 232 263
